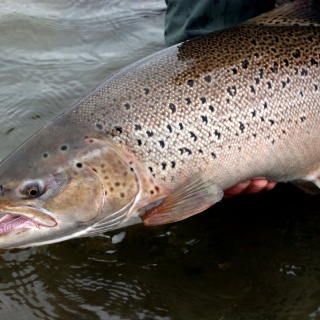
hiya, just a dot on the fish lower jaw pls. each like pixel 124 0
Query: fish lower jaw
pixel 12 222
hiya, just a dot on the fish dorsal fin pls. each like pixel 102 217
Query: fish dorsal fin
pixel 196 194
pixel 299 12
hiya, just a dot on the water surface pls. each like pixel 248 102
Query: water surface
pixel 251 257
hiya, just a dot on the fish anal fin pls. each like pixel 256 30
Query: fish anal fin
pixel 195 195
pixel 299 12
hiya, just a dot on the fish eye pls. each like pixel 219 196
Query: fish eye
pixel 32 189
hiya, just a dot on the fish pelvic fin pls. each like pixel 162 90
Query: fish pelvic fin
pixel 195 195
pixel 299 12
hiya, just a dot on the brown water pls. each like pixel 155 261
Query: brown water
pixel 251 257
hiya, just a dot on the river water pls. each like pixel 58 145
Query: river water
pixel 251 257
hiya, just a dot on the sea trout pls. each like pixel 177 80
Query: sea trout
pixel 162 139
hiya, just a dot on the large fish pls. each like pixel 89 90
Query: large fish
pixel 162 139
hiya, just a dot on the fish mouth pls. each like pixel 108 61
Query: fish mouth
pixel 25 217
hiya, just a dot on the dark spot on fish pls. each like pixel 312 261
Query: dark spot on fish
pixel 137 127
pixel 188 100
pixel 273 141
pixel 288 80
pixel 146 90
pixel 150 168
pixel 256 54
pixel 157 188
pixel 310 38
pixel 99 126
pixel 204 119
pixel 296 54
pixel 117 184
pixel 303 119
pixel 217 134
pixel 284 131
pixel 190 83
pixel 296 71
pixel 262 119
pixel 274 50
pixel 213 155
pixel 121 194
pixel 276 39
pixel 111 189
pixel 241 127
pixel 169 128
pixel 161 142
pixel 193 136
pixel 95 170
pixel 232 91
pixel 253 113
pixel 314 62
pixel 265 105
pixel 234 70
pixel 304 72
pixel 139 142
pixel 188 151
pixel 35 117
pixel 261 73
pixel 244 64
pixel 127 106
pixel 149 133
pixel 207 78
pixel 271 121
pixel 283 84
pixel 274 69
pixel 203 100
pixel 173 164
pixel 257 80
pixel 315 87
pixel 254 42
pixel 301 93
pixel 286 62
pixel 172 107
pixel 253 89
pixel 118 129
pixel 200 151
pixel 79 165
pixel 181 150
pixel 63 148
pixel 151 192
pixel 181 126
pixel 45 155
pixel 163 165
pixel 269 85
pixel 254 135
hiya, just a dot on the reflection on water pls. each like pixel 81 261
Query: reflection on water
pixel 52 52
pixel 251 257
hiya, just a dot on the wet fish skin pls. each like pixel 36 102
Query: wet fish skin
pixel 159 140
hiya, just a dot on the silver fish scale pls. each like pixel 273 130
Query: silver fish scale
pixel 238 103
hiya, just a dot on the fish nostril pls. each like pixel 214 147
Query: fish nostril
pixel 1 190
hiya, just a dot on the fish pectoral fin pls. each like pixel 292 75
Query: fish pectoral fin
pixel 195 195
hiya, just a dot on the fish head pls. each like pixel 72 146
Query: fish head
pixel 62 190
